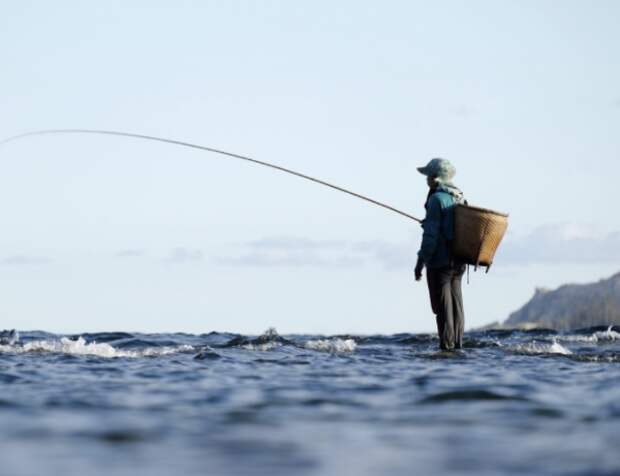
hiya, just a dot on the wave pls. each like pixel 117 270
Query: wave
pixel 261 347
pixel 9 337
pixel 81 347
pixel 593 329
pixel 539 348
pixel 471 343
pixel 208 346
pixel 469 395
pixel 268 340
pixel 598 336
pixel 207 353
pixel 331 345
pixel 605 357
pixel 102 336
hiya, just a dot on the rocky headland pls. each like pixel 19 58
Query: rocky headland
pixel 572 306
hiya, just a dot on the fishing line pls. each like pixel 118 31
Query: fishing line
pixel 209 149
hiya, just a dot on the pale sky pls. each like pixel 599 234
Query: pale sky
pixel 104 233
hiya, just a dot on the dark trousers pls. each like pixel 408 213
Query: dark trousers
pixel 444 285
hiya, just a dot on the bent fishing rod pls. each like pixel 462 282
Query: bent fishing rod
pixel 207 149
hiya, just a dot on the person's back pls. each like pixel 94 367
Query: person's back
pixel 443 271
pixel 439 225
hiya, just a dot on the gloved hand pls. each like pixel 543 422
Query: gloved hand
pixel 418 269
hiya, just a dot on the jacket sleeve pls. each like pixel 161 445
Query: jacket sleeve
pixel 431 225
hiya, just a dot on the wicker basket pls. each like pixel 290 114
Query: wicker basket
pixel 477 234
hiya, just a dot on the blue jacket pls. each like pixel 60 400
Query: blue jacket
pixel 438 226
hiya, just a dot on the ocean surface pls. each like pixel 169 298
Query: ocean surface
pixel 512 402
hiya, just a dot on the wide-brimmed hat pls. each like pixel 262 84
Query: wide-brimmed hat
pixel 440 169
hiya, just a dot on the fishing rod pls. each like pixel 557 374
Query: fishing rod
pixel 208 149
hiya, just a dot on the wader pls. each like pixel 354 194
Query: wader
pixel 444 285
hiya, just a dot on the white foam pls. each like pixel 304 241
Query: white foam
pixel 608 335
pixel 167 350
pixel 536 348
pixel 331 345
pixel 578 338
pixel 68 346
pixel 557 348
pixel 80 347
pixel 262 347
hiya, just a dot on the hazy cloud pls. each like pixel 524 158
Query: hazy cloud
pixel 23 260
pixel 298 252
pixel 463 110
pixel 184 255
pixel 282 258
pixel 562 243
pixel 294 243
pixel 552 243
pixel 295 252
pixel 391 255
pixel 130 253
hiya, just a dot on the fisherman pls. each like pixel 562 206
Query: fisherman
pixel 443 271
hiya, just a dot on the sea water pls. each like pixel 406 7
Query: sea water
pixel 511 402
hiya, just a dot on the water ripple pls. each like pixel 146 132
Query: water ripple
pixel 537 402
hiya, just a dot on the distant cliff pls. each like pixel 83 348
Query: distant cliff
pixel 571 306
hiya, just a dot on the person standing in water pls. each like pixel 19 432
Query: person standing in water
pixel 443 271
